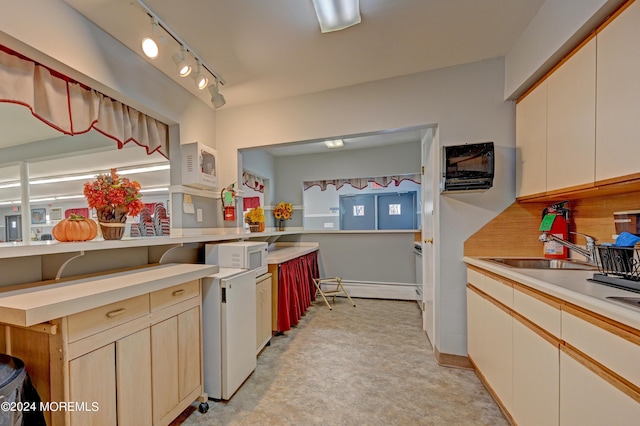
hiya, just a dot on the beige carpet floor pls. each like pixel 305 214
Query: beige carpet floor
pixel 369 365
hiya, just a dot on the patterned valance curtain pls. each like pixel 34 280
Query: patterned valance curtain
pixel 252 181
pixel 362 183
pixel 73 108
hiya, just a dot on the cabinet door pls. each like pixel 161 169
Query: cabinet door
pixel 571 115
pixel 263 312
pixel 618 113
pixel 164 367
pixel 475 327
pixel 536 375
pixel 266 309
pixel 586 398
pixel 92 378
pixel 531 142
pixel 498 332
pixel 188 352
pixel 133 372
pixel 259 316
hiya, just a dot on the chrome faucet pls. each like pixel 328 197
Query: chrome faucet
pixel 589 252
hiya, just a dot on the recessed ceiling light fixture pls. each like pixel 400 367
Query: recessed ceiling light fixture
pixel 335 15
pixel 184 68
pixel 337 143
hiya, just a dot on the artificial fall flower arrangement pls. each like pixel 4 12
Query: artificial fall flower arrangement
pixel 255 215
pixel 114 197
pixel 283 211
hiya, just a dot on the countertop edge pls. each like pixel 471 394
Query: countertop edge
pixel 18 307
pixel 588 295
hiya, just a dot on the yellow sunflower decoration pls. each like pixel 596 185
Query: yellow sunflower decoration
pixel 283 211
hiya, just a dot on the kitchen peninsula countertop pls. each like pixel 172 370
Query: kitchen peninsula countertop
pixel 27 305
pixel 282 252
pixel 37 248
pixel 571 286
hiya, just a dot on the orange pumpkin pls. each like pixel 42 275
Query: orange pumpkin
pixel 75 228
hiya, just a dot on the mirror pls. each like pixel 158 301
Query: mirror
pixel 285 168
pixel 58 166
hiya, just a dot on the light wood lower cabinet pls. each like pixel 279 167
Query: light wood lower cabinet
pixel 99 365
pixel 118 378
pixel 536 366
pixel 548 362
pixel 135 362
pixel 263 311
pixel 587 398
pixel 133 378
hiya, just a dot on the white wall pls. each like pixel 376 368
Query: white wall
pixel 466 102
pixel 557 28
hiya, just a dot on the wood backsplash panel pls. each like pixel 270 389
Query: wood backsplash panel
pixel 514 232
pixel 594 216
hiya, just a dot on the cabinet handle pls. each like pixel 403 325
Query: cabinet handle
pixel 115 313
pixel 178 292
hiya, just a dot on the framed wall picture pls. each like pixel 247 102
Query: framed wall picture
pixel 55 213
pixel 38 216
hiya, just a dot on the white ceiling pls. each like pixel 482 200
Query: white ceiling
pixel 269 49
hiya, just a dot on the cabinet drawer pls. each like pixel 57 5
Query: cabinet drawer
pixel 169 296
pixel 541 311
pixel 608 348
pixel 475 278
pixel 87 323
pixel 500 290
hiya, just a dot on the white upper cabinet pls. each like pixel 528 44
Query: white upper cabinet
pixel 531 142
pixel 618 109
pixel 571 120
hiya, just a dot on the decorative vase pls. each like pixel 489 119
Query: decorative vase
pixel 256 226
pixel 112 221
pixel 280 224
pixel 112 230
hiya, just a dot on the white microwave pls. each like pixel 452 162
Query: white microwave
pixel 199 166
pixel 242 254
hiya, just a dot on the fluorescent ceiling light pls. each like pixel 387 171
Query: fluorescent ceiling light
pixel 9 185
pixel 154 190
pixel 334 144
pixel 69 197
pixel 335 15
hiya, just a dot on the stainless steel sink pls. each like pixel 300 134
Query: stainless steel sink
pixel 542 263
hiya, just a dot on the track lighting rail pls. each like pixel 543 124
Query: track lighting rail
pixel 181 42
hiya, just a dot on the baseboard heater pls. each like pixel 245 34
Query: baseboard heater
pixel 377 290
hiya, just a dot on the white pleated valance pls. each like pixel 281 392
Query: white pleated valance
pixel 73 108
pixel 252 181
pixel 361 183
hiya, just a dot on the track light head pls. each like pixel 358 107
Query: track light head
pixel 149 44
pixel 216 98
pixel 184 69
pixel 200 78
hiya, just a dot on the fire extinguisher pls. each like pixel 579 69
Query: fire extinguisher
pixel 555 221
pixel 228 196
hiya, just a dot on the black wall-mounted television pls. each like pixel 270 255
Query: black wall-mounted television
pixel 468 167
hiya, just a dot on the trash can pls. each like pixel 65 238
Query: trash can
pixel 19 400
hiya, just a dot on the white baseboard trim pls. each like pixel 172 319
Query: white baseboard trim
pixel 377 290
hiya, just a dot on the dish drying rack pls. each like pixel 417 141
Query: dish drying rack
pixel 618 266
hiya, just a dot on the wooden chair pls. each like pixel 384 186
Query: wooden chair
pixel 338 290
